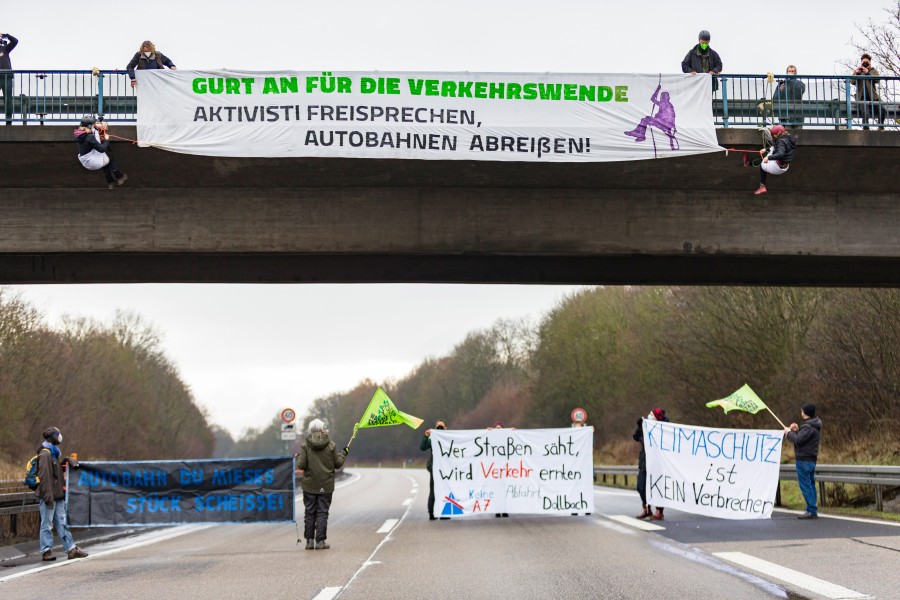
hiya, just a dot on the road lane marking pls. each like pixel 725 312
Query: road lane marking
pixel 328 593
pixel 388 525
pixel 802 580
pixel 842 517
pixel 92 555
pixel 636 523
pixel 407 502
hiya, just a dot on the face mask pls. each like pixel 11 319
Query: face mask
pixel 147 54
pixel 439 427
pixel 704 46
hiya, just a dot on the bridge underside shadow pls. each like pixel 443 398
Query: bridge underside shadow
pixel 832 220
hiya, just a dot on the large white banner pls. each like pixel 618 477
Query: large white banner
pixel 726 473
pixel 531 471
pixel 438 116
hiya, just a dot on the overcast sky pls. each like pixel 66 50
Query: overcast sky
pixel 248 351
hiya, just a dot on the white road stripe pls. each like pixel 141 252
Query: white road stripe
pixel 807 582
pixel 327 593
pixel 62 561
pixel 842 517
pixel 407 502
pixel 388 525
pixel 637 523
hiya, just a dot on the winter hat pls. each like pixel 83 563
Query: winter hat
pixel 659 414
pixel 52 435
pixel 498 425
pixel 704 35
pixel 316 425
pixel 809 410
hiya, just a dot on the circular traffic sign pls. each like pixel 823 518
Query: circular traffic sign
pixel 579 415
pixel 288 415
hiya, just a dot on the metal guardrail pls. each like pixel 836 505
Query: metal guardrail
pixel 874 475
pixel 741 100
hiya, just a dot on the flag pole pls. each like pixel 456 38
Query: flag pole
pixel 771 413
pixel 355 429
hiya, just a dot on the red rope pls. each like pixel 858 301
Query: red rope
pixel 745 151
pixel 123 139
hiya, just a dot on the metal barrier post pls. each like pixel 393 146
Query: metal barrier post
pixel 821 493
pixel 100 95
pixel 849 108
pixel 879 499
pixel 724 101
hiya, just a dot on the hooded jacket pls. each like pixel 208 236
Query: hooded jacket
pixel 806 439
pixel 319 460
pixel 50 489
pixel 783 149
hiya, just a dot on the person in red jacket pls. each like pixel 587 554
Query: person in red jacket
pixel 53 498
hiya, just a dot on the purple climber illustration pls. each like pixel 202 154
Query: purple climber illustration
pixel 664 120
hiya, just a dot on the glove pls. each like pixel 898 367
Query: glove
pixel 346 449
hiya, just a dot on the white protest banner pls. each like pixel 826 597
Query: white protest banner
pixel 726 473
pixel 525 471
pixel 436 116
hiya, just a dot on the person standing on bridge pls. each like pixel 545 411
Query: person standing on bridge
pixel 703 59
pixel 806 438
pixel 52 498
pixel 318 460
pixel 7 44
pixel 425 446
pixel 787 98
pixel 775 160
pixel 868 101
pixel 147 57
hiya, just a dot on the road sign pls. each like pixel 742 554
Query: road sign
pixel 579 415
pixel 288 432
pixel 288 415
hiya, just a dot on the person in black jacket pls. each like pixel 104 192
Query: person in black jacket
pixel 806 438
pixel 787 97
pixel 7 44
pixel 93 151
pixel 776 160
pixel 148 57
pixel 425 446
pixel 703 59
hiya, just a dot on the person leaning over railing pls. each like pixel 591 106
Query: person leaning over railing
pixel 786 99
pixel 703 59
pixel 148 57
pixel 7 44
pixel 867 97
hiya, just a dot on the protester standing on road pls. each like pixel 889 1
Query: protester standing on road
pixel 703 59
pixel 657 414
pixel 7 44
pixel 318 460
pixel 147 57
pixel 425 446
pixel 52 498
pixel 805 438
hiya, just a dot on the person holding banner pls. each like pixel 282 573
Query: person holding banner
pixel 806 438
pixel 53 499
pixel 147 57
pixel 425 446
pixel 319 460
pixel 657 414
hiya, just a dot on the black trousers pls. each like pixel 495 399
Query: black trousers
pixel 111 170
pixel 6 84
pixel 642 486
pixel 315 522
pixel 430 494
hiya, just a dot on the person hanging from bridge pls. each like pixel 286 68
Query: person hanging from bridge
pixel 664 120
pixel 94 154
pixel 147 57
pixel 53 498
pixel 318 460
pixel 806 438
pixel 425 446
pixel 775 159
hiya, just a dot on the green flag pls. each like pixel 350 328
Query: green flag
pixel 381 411
pixel 744 399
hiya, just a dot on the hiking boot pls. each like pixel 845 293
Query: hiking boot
pixel 808 515
pixel 760 190
pixel 647 512
pixel 746 161
pixel 659 516
pixel 47 556
pixel 310 544
pixel 323 545
pixel 122 179
pixel 77 552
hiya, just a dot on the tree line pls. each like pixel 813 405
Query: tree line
pixel 109 388
pixel 618 352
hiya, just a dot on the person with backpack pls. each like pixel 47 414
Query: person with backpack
pixel 52 495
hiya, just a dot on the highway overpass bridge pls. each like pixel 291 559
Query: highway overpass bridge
pixel 833 220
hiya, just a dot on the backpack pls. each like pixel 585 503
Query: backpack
pixel 31 470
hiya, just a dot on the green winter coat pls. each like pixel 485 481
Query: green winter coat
pixel 318 459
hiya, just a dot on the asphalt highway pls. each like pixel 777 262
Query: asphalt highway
pixel 384 546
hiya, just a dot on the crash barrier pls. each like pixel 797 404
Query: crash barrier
pixel 880 477
pixel 41 97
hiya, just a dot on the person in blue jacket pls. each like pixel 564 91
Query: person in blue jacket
pixel 148 57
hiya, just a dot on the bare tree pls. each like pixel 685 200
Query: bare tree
pixel 881 40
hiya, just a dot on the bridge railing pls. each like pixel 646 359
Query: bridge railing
pixel 877 476
pixel 740 101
